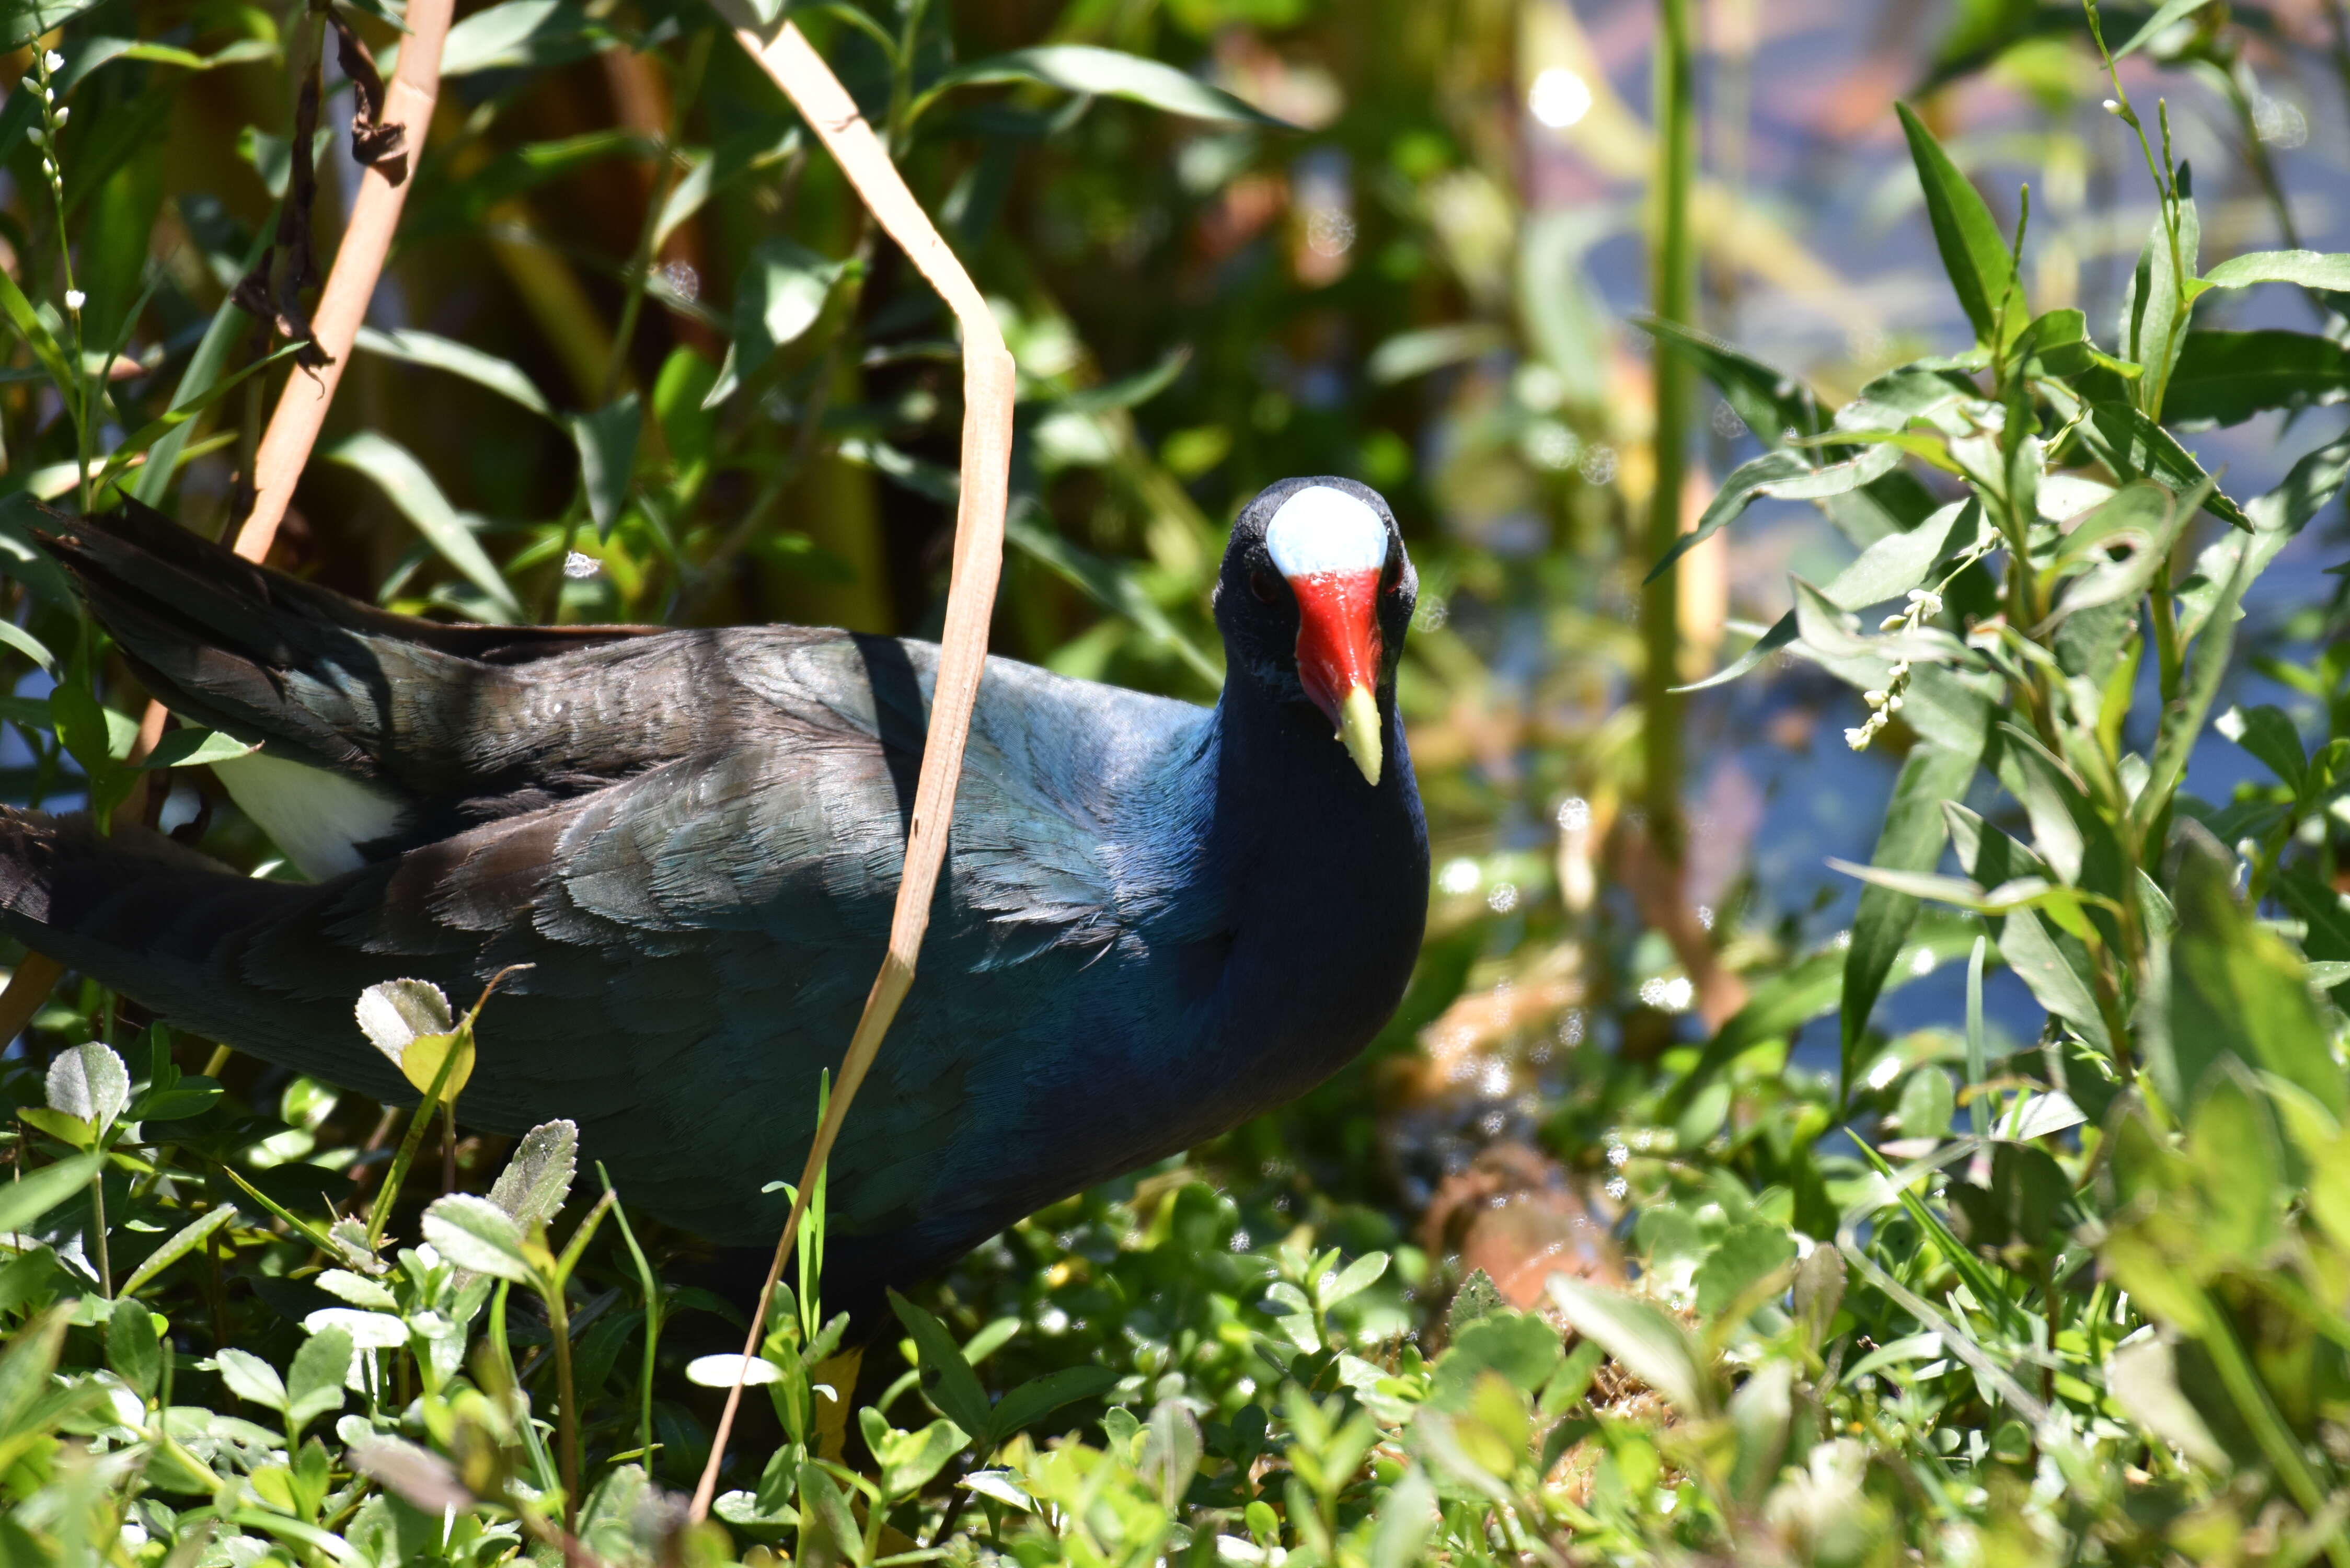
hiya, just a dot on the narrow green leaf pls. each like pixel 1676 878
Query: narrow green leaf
pixel 2310 269
pixel 947 1377
pixel 2164 16
pixel 189 747
pixel 185 1239
pixel 1103 73
pixel 1032 1401
pixel 34 1194
pixel 414 346
pixel 1974 252
pixel 411 489
pixel 2227 378
pixel 1910 840
pixel 606 440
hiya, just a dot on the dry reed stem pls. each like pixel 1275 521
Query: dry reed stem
pixel 988 393
pixel 302 406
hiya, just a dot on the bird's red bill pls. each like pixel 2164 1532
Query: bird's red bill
pixel 1337 635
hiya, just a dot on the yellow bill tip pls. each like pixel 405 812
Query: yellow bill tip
pixel 1358 730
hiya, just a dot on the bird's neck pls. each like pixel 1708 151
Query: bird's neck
pixel 1325 873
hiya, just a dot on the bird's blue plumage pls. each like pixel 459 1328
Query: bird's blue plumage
pixel 1157 920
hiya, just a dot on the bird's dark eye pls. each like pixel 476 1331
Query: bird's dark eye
pixel 1260 585
pixel 1392 573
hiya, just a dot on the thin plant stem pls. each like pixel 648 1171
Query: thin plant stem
pixel 98 1222
pixel 652 1288
pixel 1673 290
pixel 379 1212
pixel 558 1325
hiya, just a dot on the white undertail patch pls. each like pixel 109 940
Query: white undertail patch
pixel 1321 529
pixel 317 818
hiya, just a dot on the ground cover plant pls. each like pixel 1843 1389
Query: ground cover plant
pixel 1644 1233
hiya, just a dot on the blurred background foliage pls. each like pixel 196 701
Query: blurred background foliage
pixel 640 357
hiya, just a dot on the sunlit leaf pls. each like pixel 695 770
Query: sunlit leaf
pixel 1975 256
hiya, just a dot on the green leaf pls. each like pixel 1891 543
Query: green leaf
pixel 1423 349
pixel 2227 378
pixel 188 748
pixel 606 440
pixel 2268 734
pixel 90 1082
pixel 1974 252
pixel 252 1379
pixel 184 1240
pixel 2049 973
pixel 2152 323
pixel 26 643
pixel 2310 269
pixel 2143 1379
pixel 822 1504
pixel 20 514
pixel 1902 561
pixel 132 1349
pixel 314 1384
pixel 1032 1401
pixel 178 416
pixel 779 294
pixel 1643 1340
pixel 1782 632
pixel 2164 16
pixel 2236 989
pixel 1772 402
pixel 29 20
pixel 418 347
pixel 1519 1345
pixel 947 1378
pixel 475 1233
pixel 537 1179
pixel 411 489
pixel 37 336
pixel 1103 73
pixel 1744 1258
pixel 517 35
pixel 153 480
pixel 1910 840
pixel 1356 1278
pixel 1785 475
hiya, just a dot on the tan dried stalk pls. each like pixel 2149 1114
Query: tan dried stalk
pixel 350 283
pixel 302 406
pixel 988 391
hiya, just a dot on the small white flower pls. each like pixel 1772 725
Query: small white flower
pixel 48 95
pixel 1893 623
pixel 1893 703
pixel 75 299
pixel 64 115
pixel 53 61
pixel 2111 107
pixel 1874 699
pixel 1900 668
pixel 1856 739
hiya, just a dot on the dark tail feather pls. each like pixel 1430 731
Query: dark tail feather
pixel 174 930
pixel 264 656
